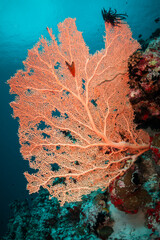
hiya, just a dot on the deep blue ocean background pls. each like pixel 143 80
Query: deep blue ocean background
pixel 21 25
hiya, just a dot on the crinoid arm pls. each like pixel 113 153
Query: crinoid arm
pixel 112 17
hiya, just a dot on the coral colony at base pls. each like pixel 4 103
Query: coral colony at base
pixel 92 167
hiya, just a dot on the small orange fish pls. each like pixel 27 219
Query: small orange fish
pixel 71 68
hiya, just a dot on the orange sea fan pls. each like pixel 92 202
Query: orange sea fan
pixel 76 122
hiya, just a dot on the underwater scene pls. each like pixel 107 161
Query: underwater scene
pixel 80 120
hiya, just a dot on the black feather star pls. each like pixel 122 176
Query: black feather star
pixel 112 17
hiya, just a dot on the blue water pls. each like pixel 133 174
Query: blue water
pixel 21 25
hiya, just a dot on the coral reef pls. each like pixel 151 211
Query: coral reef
pixel 93 218
pixel 151 173
pixel 136 193
pixel 139 190
pixel 146 42
pixel 155 147
pixel 45 219
pixel 144 69
pixel 127 194
pixel 153 219
pixel 35 221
